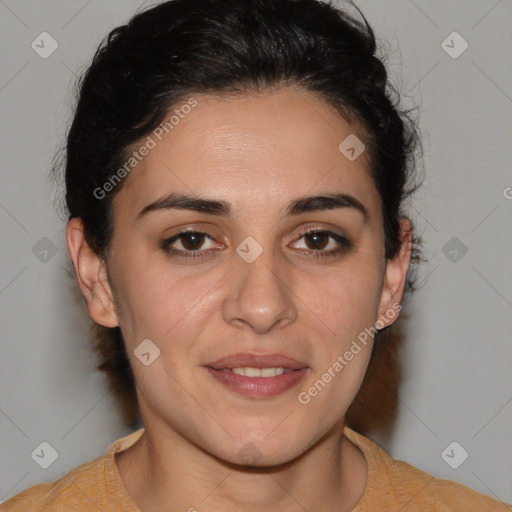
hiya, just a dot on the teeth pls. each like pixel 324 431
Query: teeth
pixel 271 372
pixel 258 372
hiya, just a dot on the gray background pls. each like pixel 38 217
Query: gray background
pixel 457 380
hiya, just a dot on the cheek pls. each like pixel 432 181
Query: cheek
pixel 346 300
pixel 157 304
pixel 343 308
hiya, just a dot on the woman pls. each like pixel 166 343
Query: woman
pixel 235 179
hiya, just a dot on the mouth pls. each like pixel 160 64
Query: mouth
pixel 257 375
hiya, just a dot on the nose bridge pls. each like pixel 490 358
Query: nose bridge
pixel 259 294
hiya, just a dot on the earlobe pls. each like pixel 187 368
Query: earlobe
pixel 91 275
pixel 395 276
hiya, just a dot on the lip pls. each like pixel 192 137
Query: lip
pixel 257 387
pixel 254 360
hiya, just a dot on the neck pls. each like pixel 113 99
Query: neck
pixel 166 472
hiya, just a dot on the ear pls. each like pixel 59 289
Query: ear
pixel 91 274
pixel 395 275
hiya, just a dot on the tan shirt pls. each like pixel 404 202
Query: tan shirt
pixel 392 486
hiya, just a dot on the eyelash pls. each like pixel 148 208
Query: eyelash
pixel 345 244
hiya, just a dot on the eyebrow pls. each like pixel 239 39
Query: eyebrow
pixel 222 208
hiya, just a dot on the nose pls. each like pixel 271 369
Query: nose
pixel 260 295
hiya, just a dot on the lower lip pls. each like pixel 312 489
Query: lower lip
pixel 258 387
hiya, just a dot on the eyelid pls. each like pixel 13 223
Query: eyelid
pixel 166 243
pixel 344 243
pixel 317 229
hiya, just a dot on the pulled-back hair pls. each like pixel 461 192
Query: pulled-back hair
pixel 179 48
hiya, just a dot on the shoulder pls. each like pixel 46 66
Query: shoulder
pixel 421 490
pixel 60 494
pixel 90 486
pixel 395 485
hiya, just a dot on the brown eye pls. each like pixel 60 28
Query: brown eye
pixel 192 241
pixel 189 244
pixel 317 240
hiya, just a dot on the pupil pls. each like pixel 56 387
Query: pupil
pixel 317 237
pixel 192 241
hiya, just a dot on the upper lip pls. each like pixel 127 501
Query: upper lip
pixel 242 360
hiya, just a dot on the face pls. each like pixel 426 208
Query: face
pixel 256 277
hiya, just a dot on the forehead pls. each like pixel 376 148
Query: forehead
pixel 252 150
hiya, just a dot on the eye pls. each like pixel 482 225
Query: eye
pixel 318 243
pixel 188 244
pixel 323 243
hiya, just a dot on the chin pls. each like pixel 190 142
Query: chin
pixel 252 456
pixel 266 450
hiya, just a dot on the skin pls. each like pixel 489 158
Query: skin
pixel 257 152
